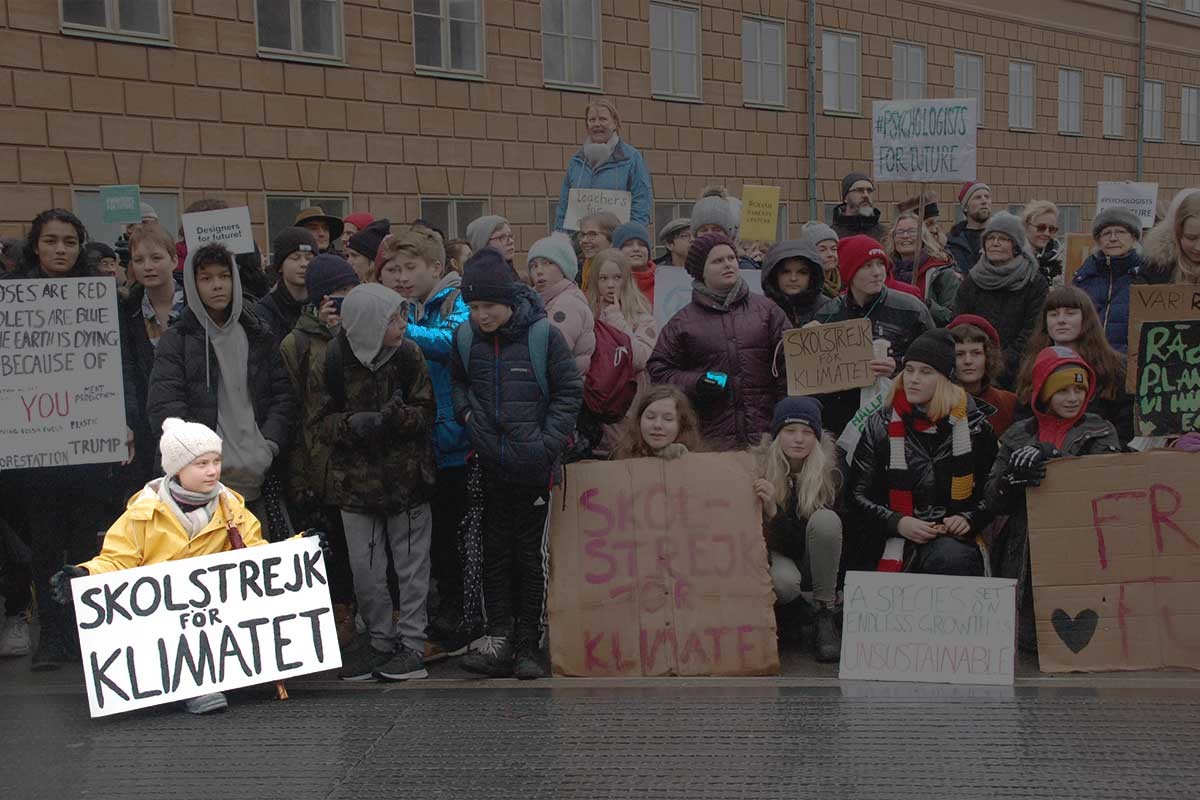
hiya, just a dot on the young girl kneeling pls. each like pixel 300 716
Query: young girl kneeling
pixel 663 424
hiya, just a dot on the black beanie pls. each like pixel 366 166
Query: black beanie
pixel 289 241
pixel 853 178
pixel 797 409
pixel 326 274
pixel 366 242
pixel 697 255
pixel 935 348
pixel 488 277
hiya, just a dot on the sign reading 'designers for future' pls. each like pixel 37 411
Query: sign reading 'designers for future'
pixel 227 226
pixel 924 140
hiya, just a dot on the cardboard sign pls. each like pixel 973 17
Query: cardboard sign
pixel 581 202
pixel 1079 247
pixel 899 626
pixel 62 397
pixel 829 358
pixel 1160 303
pixel 659 567
pixel 1168 389
pixel 673 290
pixel 180 629
pixel 1140 198
pixel 122 204
pixel 924 140
pixel 1115 545
pixel 760 214
pixel 227 226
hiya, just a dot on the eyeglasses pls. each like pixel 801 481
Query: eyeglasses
pixel 1051 229
pixel 906 234
pixel 506 238
pixel 1115 233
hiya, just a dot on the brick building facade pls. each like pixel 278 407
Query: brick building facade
pixel 331 99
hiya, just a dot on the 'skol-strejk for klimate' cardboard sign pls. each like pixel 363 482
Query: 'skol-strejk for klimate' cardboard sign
pixel 581 202
pixel 227 226
pixel 829 357
pixel 1156 303
pixel 180 629
pixel 899 626
pixel 1140 198
pixel 760 214
pixel 924 140
pixel 1167 399
pixel 1115 547
pixel 673 290
pixel 658 567
pixel 62 397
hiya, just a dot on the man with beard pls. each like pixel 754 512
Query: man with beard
pixel 966 238
pixel 857 213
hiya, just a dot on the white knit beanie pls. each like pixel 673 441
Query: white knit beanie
pixel 184 442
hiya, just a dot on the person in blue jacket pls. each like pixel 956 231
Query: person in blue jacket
pixel 413 259
pixel 1109 272
pixel 606 161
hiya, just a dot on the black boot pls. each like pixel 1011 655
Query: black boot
pixel 828 644
pixel 791 619
pixel 53 650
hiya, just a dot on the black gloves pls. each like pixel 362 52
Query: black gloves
pixel 322 541
pixel 365 424
pixel 711 387
pixel 60 583
pixel 1027 465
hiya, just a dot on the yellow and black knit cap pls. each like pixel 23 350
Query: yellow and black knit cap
pixel 1061 378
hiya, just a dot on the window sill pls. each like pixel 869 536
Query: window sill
pixel 1072 134
pixel 301 58
pixel 677 98
pixel 116 36
pixel 766 106
pixel 1015 129
pixel 832 112
pixel 582 88
pixel 1192 142
pixel 1154 139
pixel 1115 137
pixel 448 74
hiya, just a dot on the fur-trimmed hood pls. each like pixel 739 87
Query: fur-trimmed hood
pixel 1161 252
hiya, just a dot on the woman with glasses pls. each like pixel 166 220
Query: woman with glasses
pixel 1042 227
pixel 1114 266
pixel 932 282
pixel 495 232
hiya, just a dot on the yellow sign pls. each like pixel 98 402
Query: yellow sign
pixel 760 214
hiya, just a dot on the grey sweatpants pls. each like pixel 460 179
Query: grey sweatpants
pixel 822 555
pixel 408 535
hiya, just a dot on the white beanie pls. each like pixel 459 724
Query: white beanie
pixel 184 442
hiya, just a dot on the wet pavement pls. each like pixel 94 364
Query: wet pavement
pixel 802 735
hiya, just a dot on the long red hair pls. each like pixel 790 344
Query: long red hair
pixel 1092 345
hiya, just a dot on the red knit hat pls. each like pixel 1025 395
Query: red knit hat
pixel 978 322
pixel 359 219
pixel 697 254
pixel 969 188
pixel 853 254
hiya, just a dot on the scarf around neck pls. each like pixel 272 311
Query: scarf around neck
pixel 905 418
pixel 597 154
pixel 202 505
pixel 723 299
pixel 1011 276
pixel 833 284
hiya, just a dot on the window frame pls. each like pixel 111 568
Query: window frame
pixel 1117 110
pixel 99 231
pixel 967 92
pixel 1194 92
pixel 842 38
pixel 304 56
pixel 1191 7
pixel 761 21
pixel 909 47
pixel 1062 215
pixel 674 95
pixel 1014 125
pixel 480 43
pixel 598 56
pixel 307 200
pixel 1155 115
pixel 1063 130
pixel 455 230
pixel 110 32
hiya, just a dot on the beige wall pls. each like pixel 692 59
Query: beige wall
pixel 208 117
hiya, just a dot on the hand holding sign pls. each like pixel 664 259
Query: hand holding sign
pixel 829 358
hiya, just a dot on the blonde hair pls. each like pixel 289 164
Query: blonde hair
pixel 412 240
pixel 633 302
pixel 816 481
pixel 946 396
pixel 1189 207
pixel 1034 209
pixel 151 233
pixel 604 102
pixel 929 243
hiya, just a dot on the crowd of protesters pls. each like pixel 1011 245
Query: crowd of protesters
pixel 415 399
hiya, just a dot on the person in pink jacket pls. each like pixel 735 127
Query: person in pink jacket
pixel 615 299
pixel 552 271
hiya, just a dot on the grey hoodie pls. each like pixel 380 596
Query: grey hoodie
pixel 365 315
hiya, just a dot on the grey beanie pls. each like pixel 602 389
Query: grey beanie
pixel 1009 225
pixel 817 232
pixel 481 230
pixel 1115 215
pixel 713 211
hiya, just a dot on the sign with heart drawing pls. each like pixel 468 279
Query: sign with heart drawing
pixel 1115 549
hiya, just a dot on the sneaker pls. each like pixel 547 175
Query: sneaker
pixel 828 640
pixel 404 665
pixel 448 646
pixel 206 703
pixel 493 658
pixel 52 652
pixel 360 665
pixel 528 665
pixel 14 638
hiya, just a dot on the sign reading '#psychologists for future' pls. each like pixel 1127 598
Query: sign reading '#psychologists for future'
pixel 1168 379
pixel 829 358
pixel 1140 198
pixel 581 202
pixel 899 626
pixel 180 629
pixel 1115 547
pixel 924 140
pixel 227 226
pixel 658 567
pixel 122 204
pixel 62 398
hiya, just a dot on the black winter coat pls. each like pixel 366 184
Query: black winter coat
pixel 279 312
pixel 179 388
pixel 964 245
pixel 138 357
pixel 929 457
pixel 846 225
pixel 516 432
pixel 1014 315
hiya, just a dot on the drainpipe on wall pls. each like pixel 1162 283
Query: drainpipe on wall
pixel 813 211
pixel 1141 95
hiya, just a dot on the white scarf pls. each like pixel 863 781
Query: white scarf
pixel 597 154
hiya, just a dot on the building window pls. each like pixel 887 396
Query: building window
pixel 1020 95
pixel 90 210
pixel 763 74
pixel 1070 101
pixel 968 80
pixel 448 35
pixel 282 210
pixel 1191 6
pixel 452 214
pixel 1152 110
pixel 134 19
pixel 664 212
pixel 571 42
pixel 1189 115
pixel 1070 219
pixel 1114 105
pixel 839 72
pixel 828 211
pixel 304 28
pixel 908 71
pixel 675 51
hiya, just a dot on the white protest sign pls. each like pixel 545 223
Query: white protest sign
pixel 581 202
pixel 673 290
pixel 1140 198
pixel 900 626
pixel 62 397
pixel 227 226
pixel 924 140
pixel 180 629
